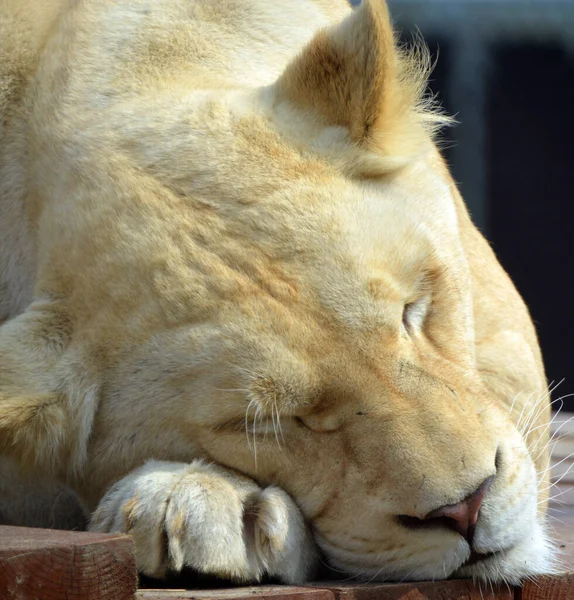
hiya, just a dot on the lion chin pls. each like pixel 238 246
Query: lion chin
pixel 244 314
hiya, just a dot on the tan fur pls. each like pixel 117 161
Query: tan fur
pixel 228 243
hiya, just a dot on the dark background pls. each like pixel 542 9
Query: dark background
pixel 505 69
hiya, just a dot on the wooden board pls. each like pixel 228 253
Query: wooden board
pixel 451 590
pixel 44 564
pixel 548 588
pixel 444 590
pixel 562 449
pixel 263 592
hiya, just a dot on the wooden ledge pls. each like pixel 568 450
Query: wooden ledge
pixel 43 564
pixel 262 592
pixel 546 588
pixel 425 590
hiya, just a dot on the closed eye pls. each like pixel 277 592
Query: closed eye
pixel 414 314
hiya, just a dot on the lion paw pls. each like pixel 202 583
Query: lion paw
pixel 210 519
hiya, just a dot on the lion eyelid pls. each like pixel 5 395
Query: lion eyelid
pixel 415 313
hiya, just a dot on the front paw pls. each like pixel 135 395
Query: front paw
pixel 210 519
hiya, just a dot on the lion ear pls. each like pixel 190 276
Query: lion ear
pixel 354 76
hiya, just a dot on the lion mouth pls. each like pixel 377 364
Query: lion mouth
pixel 476 557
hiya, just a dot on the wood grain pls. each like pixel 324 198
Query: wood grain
pixel 562 449
pixel 264 592
pixel 44 564
pixel 548 588
pixel 441 590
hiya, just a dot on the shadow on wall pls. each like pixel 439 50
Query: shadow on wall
pixel 505 68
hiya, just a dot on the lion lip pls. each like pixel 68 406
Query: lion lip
pixel 476 557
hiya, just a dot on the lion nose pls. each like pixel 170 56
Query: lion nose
pixel 462 517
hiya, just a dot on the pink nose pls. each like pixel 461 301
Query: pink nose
pixel 462 517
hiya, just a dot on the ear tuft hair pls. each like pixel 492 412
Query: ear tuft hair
pixel 355 76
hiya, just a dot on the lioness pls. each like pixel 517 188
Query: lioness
pixel 246 315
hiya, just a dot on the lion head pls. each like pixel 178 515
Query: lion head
pixel 311 306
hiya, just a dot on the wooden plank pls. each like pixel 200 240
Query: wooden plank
pixel 563 423
pixel 562 471
pixel 44 564
pixel 545 588
pixel 563 496
pixel 426 590
pixel 561 522
pixel 562 450
pixel 264 592
pixel 562 446
pixel 548 588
